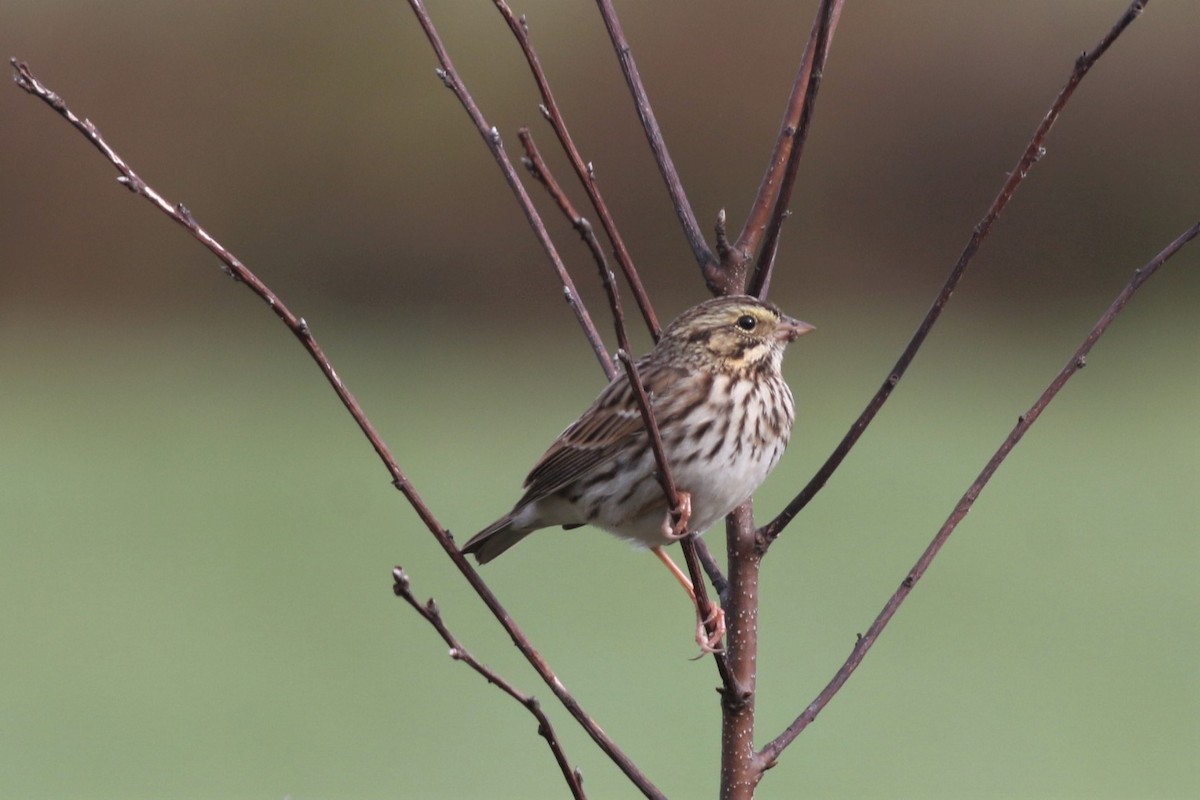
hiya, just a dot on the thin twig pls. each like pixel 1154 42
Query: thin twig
pixel 1077 361
pixel 432 614
pixel 688 543
pixel 235 269
pixel 541 172
pixel 1033 151
pixel 715 574
pixel 491 137
pixel 583 172
pixel 816 52
pixel 709 266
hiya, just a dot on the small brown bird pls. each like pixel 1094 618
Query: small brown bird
pixel 724 414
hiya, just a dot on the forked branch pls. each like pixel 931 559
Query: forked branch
pixel 430 612
pixel 764 225
pixel 235 269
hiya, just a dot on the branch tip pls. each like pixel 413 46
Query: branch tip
pixel 400 581
pixel 723 246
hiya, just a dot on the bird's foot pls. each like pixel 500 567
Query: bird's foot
pixel 714 621
pixel 675 524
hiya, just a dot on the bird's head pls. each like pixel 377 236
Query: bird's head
pixel 738 332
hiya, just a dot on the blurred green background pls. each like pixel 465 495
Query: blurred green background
pixel 195 541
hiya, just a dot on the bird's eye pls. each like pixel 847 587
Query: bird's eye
pixel 746 322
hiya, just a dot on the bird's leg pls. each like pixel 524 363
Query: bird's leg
pixel 675 524
pixel 714 615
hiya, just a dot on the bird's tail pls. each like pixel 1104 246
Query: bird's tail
pixel 495 539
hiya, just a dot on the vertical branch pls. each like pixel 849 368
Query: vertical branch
pixel 769 187
pixel 811 70
pixel 741 766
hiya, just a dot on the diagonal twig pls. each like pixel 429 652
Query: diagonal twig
pixel 583 172
pixel 491 137
pixel 429 610
pixel 299 327
pixel 709 266
pixel 772 750
pixel 1033 151
pixel 690 544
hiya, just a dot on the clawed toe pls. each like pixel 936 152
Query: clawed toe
pixel 710 642
pixel 681 515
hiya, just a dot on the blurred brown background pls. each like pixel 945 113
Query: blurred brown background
pixel 314 140
pixel 195 542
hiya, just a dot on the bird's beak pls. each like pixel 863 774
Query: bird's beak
pixel 791 329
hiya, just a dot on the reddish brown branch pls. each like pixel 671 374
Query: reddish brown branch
pixel 709 266
pixel 583 171
pixel 1033 151
pixel 688 543
pixel 432 614
pixel 233 267
pixel 491 137
pixel 1024 422
pixel 775 192
pixel 741 768
pixel 537 167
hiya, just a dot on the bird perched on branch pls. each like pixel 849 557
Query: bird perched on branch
pixel 724 414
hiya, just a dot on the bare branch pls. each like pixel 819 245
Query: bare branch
pixel 776 189
pixel 709 267
pixel 433 615
pixel 1077 361
pixel 1033 151
pixel 583 171
pixel 719 581
pixel 688 543
pixel 539 169
pixel 491 137
pixel 741 766
pixel 233 267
